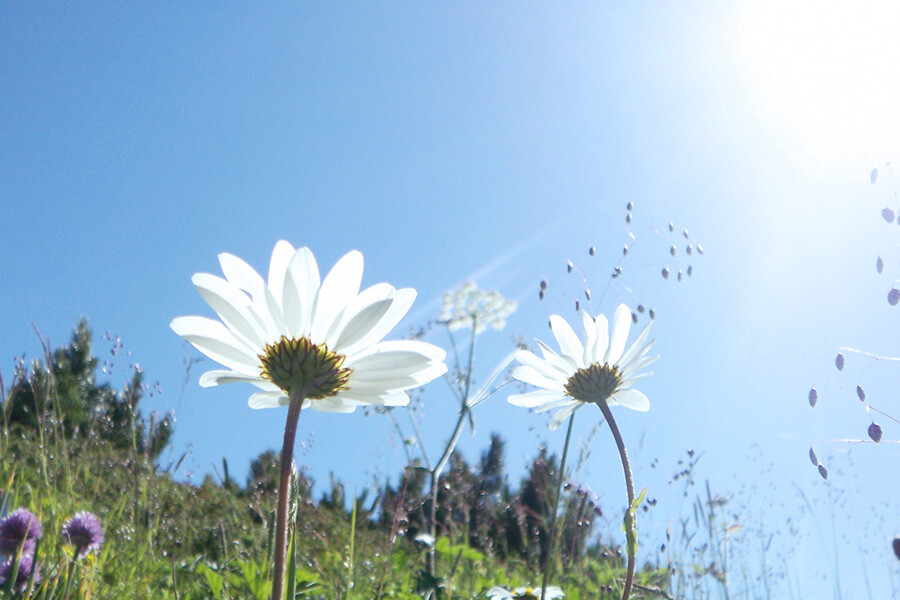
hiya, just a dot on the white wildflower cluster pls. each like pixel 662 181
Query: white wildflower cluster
pixel 469 307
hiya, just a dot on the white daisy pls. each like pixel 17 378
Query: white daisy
pixel 525 593
pixel 599 370
pixel 319 339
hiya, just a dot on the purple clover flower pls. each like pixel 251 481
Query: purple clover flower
pixel 84 532
pixel 22 573
pixel 19 528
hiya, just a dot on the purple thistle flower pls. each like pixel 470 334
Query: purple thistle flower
pixel 19 528
pixel 22 573
pixel 84 532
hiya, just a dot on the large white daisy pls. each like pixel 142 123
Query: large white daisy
pixel 600 369
pixel 297 334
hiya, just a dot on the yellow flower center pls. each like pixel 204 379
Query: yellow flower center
pixel 529 594
pixel 298 364
pixel 594 384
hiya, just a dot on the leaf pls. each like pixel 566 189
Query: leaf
pixel 629 525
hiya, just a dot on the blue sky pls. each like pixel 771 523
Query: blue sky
pixel 494 141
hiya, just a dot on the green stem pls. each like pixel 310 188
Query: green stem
pixel 562 472
pixel 629 486
pixel 284 483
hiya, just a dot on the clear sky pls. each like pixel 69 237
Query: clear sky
pixel 498 140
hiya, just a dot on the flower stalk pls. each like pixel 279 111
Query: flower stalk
pixel 284 484
pixel 629 487
pixel 553 516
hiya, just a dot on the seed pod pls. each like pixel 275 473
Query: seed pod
pixel 640 308
pixel 592 250
pixel 541 295
pixel 577 306
pixel 812 457
pixel 887 214
pixel 680 274
pixel 873 177
pixel 699 248
pixel 652 314
pixel 823 471
pixel 628 218
pixel 625 250
pixel 689 249
pixel 629 206
pixel 860 394
pixel 665 272
pixel 671 226
pixel 685 233
pixel 672 250
pixel 896 545
pixel 569 266
pixel 543 284
pixel 813 397
pixel 839 361
pixel 587 294
pixel 893 296
pixel 879 265
pixel 875 432
pixel 634 317
pixel 690 270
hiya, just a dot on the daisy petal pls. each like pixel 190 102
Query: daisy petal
pixel 619 335
pixel 590 338
pixel 544 367
pixel 569 344
pixel 268 400
pixel 601 345
pixel 232 307
pixel 639 344
pixel 214 340
pixel 532 376
pixel 219 377
pixel 278 265
pixel 564 414
pixel 340 286
pixel 536 398
pixel 630 398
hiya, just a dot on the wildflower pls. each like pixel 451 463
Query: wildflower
pixel 470 307
pixel 525 593
pixel 18 529
pixel 319 339
pixel 84 533
pixel 23 572
pixel 600 370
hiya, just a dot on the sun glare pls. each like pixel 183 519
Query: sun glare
pixel 826 73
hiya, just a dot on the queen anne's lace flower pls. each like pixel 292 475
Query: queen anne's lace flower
pixel 601 369
pixel 295 333
pixel 472 308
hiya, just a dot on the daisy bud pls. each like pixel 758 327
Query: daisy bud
pixel 893 296
pixel 887 214
pixel 875 432
pixel 813 397
pixel 839 361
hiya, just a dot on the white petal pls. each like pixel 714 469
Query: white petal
pixel 268 400
pixel 638 345
pixel 220 377
pixel 564 414
pixel 601 345
pixel 402 301
pixel 278 264
pixel 565 364
pixel 569 344
pixel 360 325
pixel 341 285
pixel 632 399
pixel 214 340
pixel 637 365
pixel 531 376
pixel 430 351
pixel 301 284
pixel 619 335
pixel 536 398
pixel 544 367
pixel 590 338
pixel 390 398
pixel 334 405
pixel 240 273
pixel 404 360
pixel 232 306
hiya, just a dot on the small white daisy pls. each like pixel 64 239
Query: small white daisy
pixel 295 333
pixel 525 593
pixel 601 369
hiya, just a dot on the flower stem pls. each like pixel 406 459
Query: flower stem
pixel 629 486
pixel 284 483
pixel 562 472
